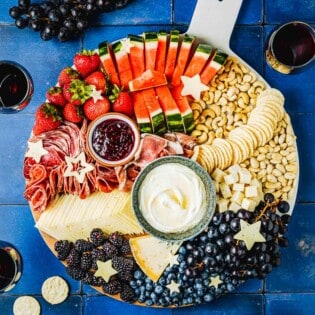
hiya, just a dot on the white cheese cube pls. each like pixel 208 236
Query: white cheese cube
pixel 218 175
pixel 222 205
pixel 237 197
pixel 238 187
pixel 234 206
pixel 255 182
pixel 225 190
pixel 245 176
pixel 231 179
pixel 251 191
pixel 216 186
pixel 248 204
pixel 234 169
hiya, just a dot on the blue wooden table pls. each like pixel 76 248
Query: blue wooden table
pixel 290 289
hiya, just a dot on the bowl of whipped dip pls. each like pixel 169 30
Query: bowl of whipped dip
pixel 173 198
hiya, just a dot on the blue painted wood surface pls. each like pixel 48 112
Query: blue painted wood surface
pixel 289 289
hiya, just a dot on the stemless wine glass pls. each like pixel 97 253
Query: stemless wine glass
pixel 10 266
pixel 16 87
pixel 291 47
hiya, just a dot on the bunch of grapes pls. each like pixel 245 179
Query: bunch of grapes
pixel 64 19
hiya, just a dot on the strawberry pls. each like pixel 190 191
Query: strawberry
pixel 55 96
pixel 47 118
pixel 67 75
pixel 92 109
pixel 77 92
pixel 72 113
pixel 122 102
pixel 98 79
pixel 86 62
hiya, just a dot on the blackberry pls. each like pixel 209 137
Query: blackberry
pixel 97 237
pixel 86 261
pixel 75 273
pixel 125 248
pixel 62 248
pixel 97 254
pixel 125 276
pixel 126 293
pixel 116 239
pixel 90 279
pixel 112 287
pixel 123 264
pixel 74 258
pixel 83 246
pixel 110 250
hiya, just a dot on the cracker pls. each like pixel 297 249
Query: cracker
pixel 55 290
pixel 26 305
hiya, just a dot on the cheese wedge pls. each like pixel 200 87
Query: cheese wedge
pixel 72 218
pixel 152 254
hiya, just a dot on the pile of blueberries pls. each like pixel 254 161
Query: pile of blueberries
pixel 64 19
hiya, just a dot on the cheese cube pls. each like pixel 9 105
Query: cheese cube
pixel 216 186
pixel 234 169
pixel 245 176
pixel 222 205
pixel 251 191
pixel 225 190
pixel 234 206
pixel 218 175
pixel 237 197
pixel 248 204
pixel 255 182
pixel 238 187
pixel 231 178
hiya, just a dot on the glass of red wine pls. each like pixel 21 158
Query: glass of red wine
pixel 10 266
pixel 16 87
pixel 291 47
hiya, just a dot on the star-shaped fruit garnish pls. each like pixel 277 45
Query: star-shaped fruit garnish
pixel 105 270
pixel 36 150
pixel 250 234
pixel 215 281
pixel 126 45
pixel 173 286
pixel 173 259
pixel 193 86
pixel 96 94
pixel 77 167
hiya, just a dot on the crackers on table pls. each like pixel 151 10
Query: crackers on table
pixel 55 290
pixel 26 305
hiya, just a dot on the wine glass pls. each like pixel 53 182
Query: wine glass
pixel 16 87
pixel 291 47
pixel 10 266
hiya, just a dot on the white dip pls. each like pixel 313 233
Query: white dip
pixel 172 198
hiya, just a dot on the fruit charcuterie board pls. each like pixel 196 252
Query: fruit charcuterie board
pixel 187 98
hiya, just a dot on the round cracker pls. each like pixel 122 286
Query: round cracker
pixel 26 305
pixel 55 290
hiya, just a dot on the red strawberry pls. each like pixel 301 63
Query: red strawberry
pixel 87 62
pixel 98 79
pixel 67 75
pixel 122 102
pixel 77 92
pixel 72 113
pixel 47 118
pixel 55 96
pixel 92 109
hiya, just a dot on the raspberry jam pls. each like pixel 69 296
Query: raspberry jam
pixel 113 139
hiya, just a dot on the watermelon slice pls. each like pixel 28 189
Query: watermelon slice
pixel 123 64
pixel 184 108
pixel 136 55
pixel 148 79
pixel 108 61
pixel 141 112
pixel 151 44
pixel 156 114
pixel 213 66
pixel 172 54
pixel 161 51
pixel 198 60
pixel 182 58
pixel 171 112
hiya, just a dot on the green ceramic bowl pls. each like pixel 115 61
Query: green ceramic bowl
pixel 209 203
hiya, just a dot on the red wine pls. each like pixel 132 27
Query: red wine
pixel 293 44
pixel 7 269
pixel 16 87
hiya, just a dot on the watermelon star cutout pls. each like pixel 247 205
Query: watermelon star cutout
pixel 193 86
pixel 36 150
pixel 215 281
pixel 96 94
pixel 105 270
pixel 250 234
pixel 77 167
pixel 126 45
pixel 173 286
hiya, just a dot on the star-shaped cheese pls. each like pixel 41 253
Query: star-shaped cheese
pixel 105 270
pixel 96 94
pixel 215 281
pixel 77 167
pixel 173 259
pixel 193 86
pixel 36 150
pixel 173 286
pixel 250 234
pixel 126 45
